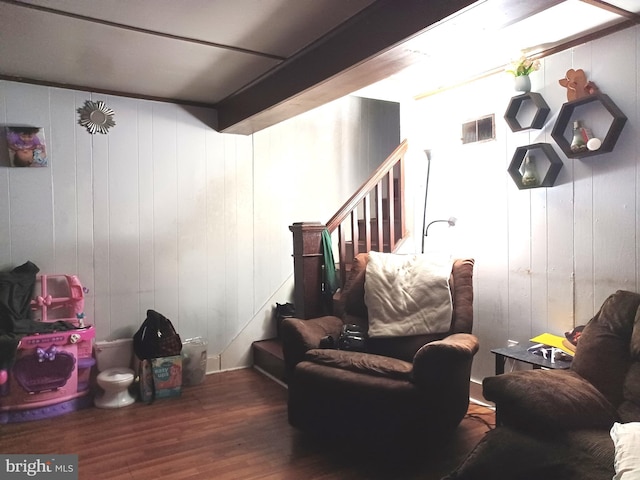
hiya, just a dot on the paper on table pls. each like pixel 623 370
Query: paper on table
pixel 553 341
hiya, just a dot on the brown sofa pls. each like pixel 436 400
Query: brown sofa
pixel 399 384
pixel 556 423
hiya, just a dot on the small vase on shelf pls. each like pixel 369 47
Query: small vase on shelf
pixel 523 83
pixel 580 138
pixel 530 174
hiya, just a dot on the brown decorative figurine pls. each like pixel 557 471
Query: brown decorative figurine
pixel 577 85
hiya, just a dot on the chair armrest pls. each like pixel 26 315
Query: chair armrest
pixel 548 400
pixel 360 362
pixel 446 363
pixel 299 336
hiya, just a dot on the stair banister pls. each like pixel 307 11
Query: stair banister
pixel 373 181
pixel 307 237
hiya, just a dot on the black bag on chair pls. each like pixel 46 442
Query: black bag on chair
pixel 156 338
pixel 352 337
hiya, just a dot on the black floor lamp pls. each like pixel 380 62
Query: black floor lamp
pixel 425 227
pixel 426 194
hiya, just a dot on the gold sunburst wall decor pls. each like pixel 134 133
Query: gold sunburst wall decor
pixel 96 117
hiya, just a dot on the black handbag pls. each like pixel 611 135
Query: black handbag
pixel 352 337
pixel 156 338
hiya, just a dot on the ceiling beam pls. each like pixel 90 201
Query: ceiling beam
pixel 367 48
pixel 279 94
pixel 634 17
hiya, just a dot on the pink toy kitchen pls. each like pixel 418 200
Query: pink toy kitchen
pixel 45 344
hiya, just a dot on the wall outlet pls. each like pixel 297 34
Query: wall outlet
pixel 512 343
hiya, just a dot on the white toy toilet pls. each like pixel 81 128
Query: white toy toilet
pixel 113 360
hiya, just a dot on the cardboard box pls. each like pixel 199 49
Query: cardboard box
pixel 167 376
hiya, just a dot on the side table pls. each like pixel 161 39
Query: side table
pixel 521 354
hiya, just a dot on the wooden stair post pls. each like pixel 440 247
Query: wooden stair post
pixel 307 269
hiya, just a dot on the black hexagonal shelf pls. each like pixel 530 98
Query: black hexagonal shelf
pixel 567 116
pixel 538 118
pixel 547 162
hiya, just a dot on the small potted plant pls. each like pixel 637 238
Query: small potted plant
pixel 520 69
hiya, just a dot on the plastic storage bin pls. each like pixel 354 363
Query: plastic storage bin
pixel 194 361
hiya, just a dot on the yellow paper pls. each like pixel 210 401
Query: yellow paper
pixel 553 341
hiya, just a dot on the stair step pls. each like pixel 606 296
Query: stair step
pixel 268 356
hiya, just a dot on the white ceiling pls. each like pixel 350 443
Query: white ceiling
pixel 260 61
pixel 192 50
pixel 490 45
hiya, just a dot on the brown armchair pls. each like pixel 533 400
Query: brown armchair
pixel 400 384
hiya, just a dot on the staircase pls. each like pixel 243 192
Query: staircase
pixel 372 219
pixel 376 211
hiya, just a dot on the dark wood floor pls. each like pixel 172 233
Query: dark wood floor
pixel 233 426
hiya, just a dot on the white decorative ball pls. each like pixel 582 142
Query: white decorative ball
pixel 594 144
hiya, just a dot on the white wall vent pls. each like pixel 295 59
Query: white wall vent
pixel 479 130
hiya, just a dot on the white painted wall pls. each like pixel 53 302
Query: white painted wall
pixel 165 213
pixel 546 258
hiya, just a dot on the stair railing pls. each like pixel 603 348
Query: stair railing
pixel 372 219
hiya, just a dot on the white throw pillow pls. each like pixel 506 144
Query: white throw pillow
pixel 626 439
pixel 407 294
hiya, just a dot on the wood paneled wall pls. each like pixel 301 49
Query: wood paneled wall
pixel 546 258
pixel 165 213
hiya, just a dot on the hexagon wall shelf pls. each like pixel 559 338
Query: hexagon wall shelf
pixel 514 107
pixel 547 162
pixel 566 116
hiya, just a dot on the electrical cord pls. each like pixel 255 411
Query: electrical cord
pixel 479 417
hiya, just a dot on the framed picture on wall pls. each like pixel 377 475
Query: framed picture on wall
pixel 27 146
